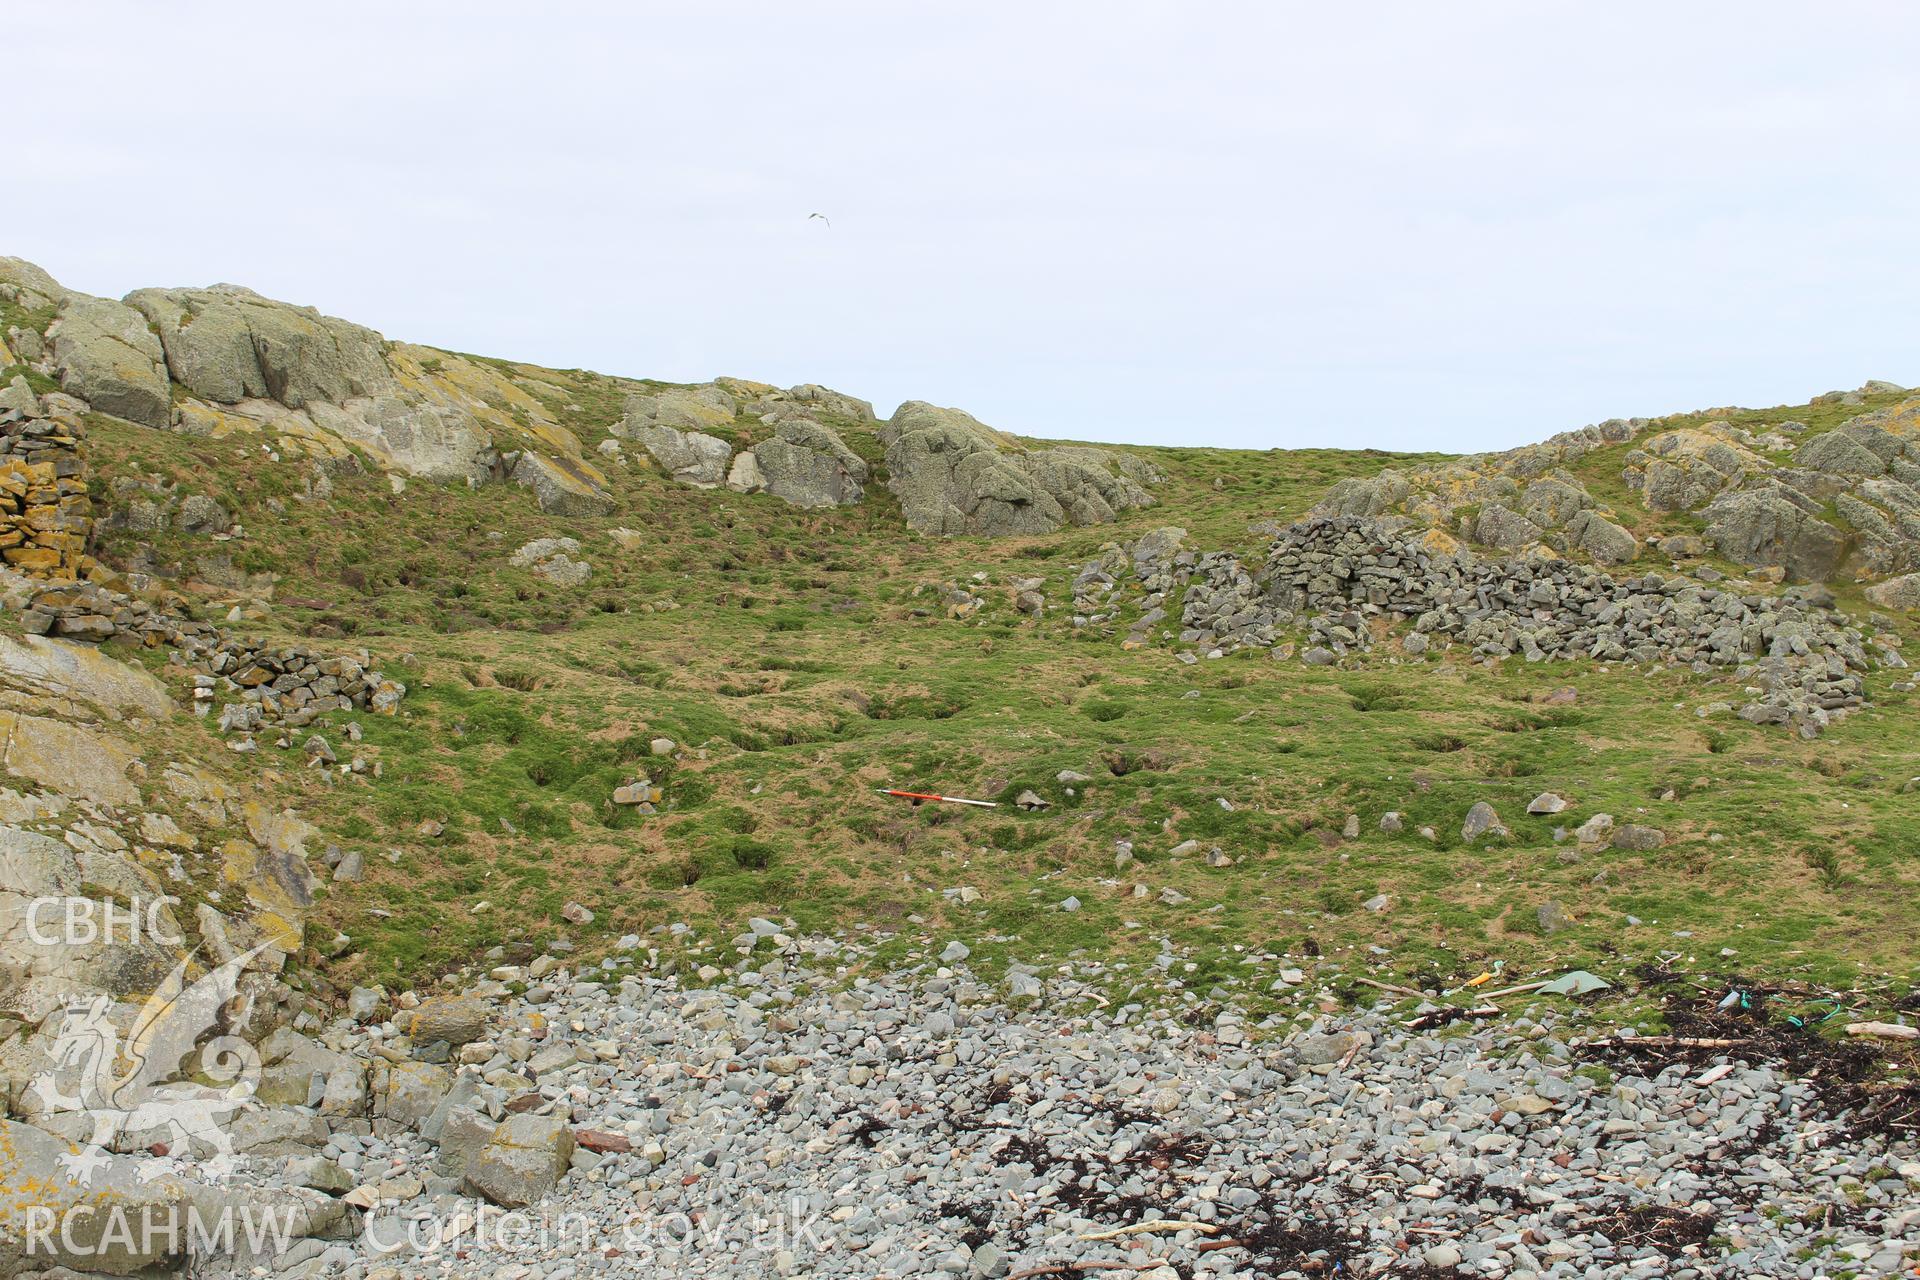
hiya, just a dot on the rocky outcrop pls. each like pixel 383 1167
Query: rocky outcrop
pixel 562 486
pixel 1775 525
pixel 1770 497
pixel 837 404
pixel 806 464
pixel 1684 470
pixel 226 344
pixel 677 408
pixel 106 355
pixel 225 360
pixel 690 457
pixel 955 475
pixel 1506 502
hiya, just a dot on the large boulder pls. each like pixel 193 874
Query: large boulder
pixel 806 464
pixel 1896 593
pixel 690 457
pixel 409 1092
pixel 955 475
pixel 228 344
pixel 457 1020
pixel 1552 501
pixel 1772 525
pixel 563 486
pixel 553 559
pixel 1507 530
pixel 1602 539
pixel 1841 452
pixel 106 355
pixel 524 1160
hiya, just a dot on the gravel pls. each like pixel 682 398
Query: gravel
pixel 800 1120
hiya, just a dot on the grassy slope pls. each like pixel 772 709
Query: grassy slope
pixel 806 659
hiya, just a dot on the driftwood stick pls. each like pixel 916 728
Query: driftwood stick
pixel 1065 1268
pixel 1159 1224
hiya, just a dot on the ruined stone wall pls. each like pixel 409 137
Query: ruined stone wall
pixel 46 517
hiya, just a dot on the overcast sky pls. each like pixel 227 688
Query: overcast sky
pixel 1446 226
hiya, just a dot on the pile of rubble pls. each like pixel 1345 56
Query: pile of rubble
pixel 1343 578
pixel 289 686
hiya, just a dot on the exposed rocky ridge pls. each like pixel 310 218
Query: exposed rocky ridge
pixel 1811 507
pixel 225 360
pixel 1342 578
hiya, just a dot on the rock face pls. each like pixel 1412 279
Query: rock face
pixel 108 357
pixel 806 464
pixel 1775 526
pixel 955 475
pixel 227 344
pixel 563 486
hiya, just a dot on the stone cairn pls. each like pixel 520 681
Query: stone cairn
pixel 1341 579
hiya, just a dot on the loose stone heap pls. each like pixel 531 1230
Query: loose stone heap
pixel 293 685
pixel 785 1122
pixel 1339 576
pixel 290 686
pixel 46 517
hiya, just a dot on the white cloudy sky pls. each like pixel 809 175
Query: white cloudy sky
pixel 1416 225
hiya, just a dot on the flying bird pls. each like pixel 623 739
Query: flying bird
pixel 823 217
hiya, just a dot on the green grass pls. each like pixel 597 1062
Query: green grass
pixel 801 660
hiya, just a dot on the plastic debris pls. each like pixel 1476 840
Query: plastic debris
pixel 1576 983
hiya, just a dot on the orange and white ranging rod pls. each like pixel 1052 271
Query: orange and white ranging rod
pixel 918 796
